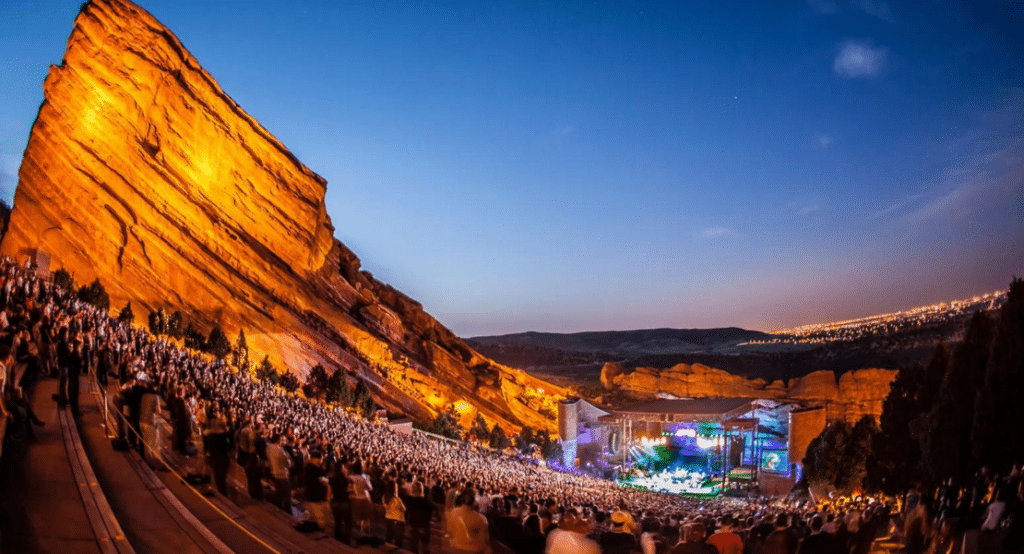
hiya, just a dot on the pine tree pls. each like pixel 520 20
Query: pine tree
pixel 999 410
pixel 217 344
pixel 858 450
pixel 896 458
pixel 338 391
pixel 944 431
pixel 62 279
pixel 266 372
pixel 126 316
pixel 193 338
pixel 479 428
pixel 95 294
pixel 316 382
pixel 288 381
pixel 526 439
pixel 174 324
pixel 240 352
pixel 497 439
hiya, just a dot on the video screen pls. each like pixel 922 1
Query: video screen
pixel 775 460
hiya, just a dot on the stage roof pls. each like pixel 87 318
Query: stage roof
pixel 687 410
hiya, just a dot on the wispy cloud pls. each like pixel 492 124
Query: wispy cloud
pixel 987 164
pixel 717 232
pixel 823 140
pixel 823 6
pixel 895 206
pixel 807 210
pixel 877 8
pixel 859 59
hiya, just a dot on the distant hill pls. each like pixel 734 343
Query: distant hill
pixel 893 341
pixel 631 343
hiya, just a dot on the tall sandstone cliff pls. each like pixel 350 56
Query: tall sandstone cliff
pixel 142 172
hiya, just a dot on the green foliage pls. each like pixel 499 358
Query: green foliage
pixel 126 315
pixel 266 372
pixel 446 424
pixel 288 381
pixel 479 429
pixel 338 391
pixel 63 279
pixel 95 294
pixel 175 326
pixel 316 382
pixel 362 401
pixel 497 438
pixel 837 456
pixel 240 352
pixel 217 344
pixel 193 338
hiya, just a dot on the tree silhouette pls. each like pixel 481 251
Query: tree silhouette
pixel 338 391
pixel 999 410
pixel 240 353
pixel 95 294
pixel 316 382
pixel 217 344
pixel 63 279
pixel 175 325
pixel 193 338
pixel 126 315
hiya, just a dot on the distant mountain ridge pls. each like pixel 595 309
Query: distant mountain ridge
pixel 637 342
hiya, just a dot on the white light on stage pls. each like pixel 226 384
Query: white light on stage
pixel 709 442
pixel 686 433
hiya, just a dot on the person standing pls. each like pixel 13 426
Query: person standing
pixel 280 466
pixel 693 540
pixel 341 503
pixel 315 490
pixel 618 540
pixel 466 529
pixel 394 517
pixel 419 511
pixel 75 363
pixel 724 540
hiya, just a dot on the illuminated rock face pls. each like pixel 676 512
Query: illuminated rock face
pixel 142 172
pixel 856 394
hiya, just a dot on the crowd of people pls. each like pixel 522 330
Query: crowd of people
pixel 354 476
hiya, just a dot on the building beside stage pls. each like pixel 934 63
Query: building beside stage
pixel 734 441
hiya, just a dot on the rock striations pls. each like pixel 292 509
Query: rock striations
pixel 855 394
pixel 142 172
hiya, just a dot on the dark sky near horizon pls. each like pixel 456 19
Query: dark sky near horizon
pixel 573 166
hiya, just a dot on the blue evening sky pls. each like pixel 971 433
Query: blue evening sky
pixel 615 165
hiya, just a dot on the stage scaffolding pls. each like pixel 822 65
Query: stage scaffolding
pixel 725 421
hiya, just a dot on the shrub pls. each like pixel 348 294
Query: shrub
pixel 95 294
pixel 174 325
pixel 126 316
pixel 193 338
pixel 63 279
pixel 217 343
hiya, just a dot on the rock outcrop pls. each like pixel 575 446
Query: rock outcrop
pixel 855 394
pixel 142 172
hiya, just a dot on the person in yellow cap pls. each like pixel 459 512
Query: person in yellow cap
pixel 619 539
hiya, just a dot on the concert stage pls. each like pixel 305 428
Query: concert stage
pixel 704 446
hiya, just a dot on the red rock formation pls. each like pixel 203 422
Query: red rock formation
pixel 857 393
pixel 142 172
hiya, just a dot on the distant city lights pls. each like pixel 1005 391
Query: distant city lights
pixel 866 327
